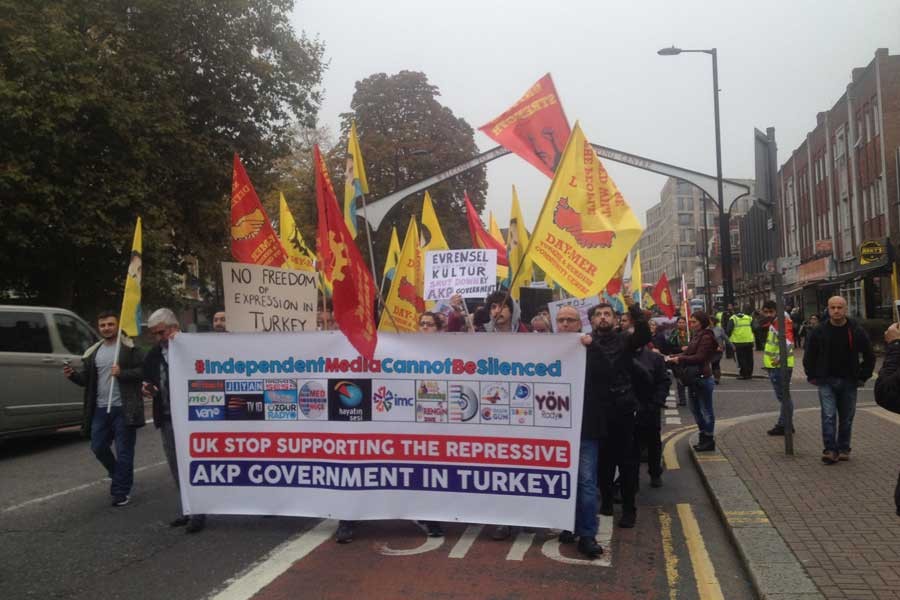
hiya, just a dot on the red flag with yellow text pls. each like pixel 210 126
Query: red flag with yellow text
pixel 535 127
pixel 353 290
pixel 662 296
pixel 480 237
pixel 253 239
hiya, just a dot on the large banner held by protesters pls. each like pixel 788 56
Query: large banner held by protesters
pixel 464 428
pixel 469 273
pixel 259 298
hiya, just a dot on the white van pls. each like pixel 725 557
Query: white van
pixel 35 341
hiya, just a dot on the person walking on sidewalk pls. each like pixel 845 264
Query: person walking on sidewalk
pixel 887 386
pixel 772 360
pixel 700 382
pixel 740 331
pixel 838 360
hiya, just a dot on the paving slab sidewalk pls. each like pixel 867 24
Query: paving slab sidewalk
pixel 803 529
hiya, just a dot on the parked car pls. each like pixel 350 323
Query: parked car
pixel 35 342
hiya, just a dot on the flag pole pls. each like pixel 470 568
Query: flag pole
pixel 381 303
pixel 112 380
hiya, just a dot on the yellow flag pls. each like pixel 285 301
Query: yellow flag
pixel 502 270
pixel 432 237
pixel 586 228
pixel 404 300
pixel 637 277
pixel 516 245
pixel 130 317
pixel 299 255
pixel 355 184
pixel 393 255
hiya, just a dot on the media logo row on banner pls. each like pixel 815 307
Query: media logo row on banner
pixel 399 400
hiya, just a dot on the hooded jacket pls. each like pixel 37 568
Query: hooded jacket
pixel 515 321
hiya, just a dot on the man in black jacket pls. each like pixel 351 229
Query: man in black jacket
pixel 609 407
pixel 838 360
pixel 163 325
pixel 648 422
pixel 111 415
pixel 887 386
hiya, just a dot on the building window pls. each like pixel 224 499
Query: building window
pixel 686 219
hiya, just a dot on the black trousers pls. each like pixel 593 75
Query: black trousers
pixel 744 359
pixel 647 435
pixel 617 450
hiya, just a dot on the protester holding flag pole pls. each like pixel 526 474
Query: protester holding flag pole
pixel 110 372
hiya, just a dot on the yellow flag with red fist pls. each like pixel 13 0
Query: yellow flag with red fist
pixel 585 229
pixel 404 302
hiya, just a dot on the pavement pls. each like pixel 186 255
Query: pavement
pixel 805 530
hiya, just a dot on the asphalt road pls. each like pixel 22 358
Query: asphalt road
pixel 62 539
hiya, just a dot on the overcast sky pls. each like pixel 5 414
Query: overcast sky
pixel 780 62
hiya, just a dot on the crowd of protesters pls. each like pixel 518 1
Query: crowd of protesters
pixel 631 361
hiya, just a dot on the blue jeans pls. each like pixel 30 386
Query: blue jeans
pixel 586 494
pixel 838 399
pixel 700 398
pixel 775 379
pixel 109 427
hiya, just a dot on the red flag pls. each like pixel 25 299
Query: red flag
pixel 663 296
pixel 353 290
pixel 480 237
pixel 253 239
pixel 535 127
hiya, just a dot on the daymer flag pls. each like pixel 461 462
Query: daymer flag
pixel 353 290
pixel 299 255
pixel 535 127
pixel 355 184
pixel 585 229
pixel 432 237
pixel 130 318
pixel 404 302
pixel 494 229
pixel 253 239
pixel 662 296
pixel 393 255
pixel 637 278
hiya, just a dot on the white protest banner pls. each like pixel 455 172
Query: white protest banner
pixel 470 273
pixel 582 305
pixel 260 298
pixel 473 428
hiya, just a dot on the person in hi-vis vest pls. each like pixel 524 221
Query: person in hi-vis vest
pixel 740 332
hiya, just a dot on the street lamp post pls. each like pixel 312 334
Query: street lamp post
pixel 724 228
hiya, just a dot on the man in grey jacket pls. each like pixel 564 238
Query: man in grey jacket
pixel 111 415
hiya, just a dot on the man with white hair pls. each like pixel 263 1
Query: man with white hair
pixel 163 326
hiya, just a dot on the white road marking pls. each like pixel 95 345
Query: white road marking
pixel 673 420
pixel 520 546
pixel 465 541
pixel 247 584
pixel 71 490
pixel 671 411
pixel 430 543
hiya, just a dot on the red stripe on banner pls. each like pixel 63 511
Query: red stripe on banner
pixel 383 446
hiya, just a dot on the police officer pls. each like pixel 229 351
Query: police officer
pixel 740 332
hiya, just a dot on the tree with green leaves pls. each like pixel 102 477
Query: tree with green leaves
pixel 406 135
pixel 114 109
